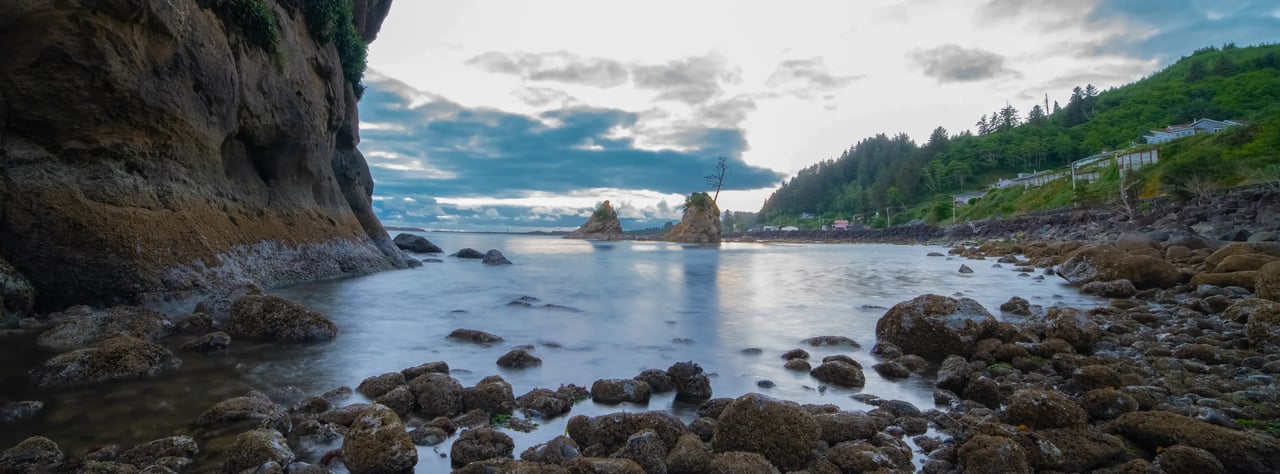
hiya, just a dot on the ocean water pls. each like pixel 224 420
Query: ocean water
pixel 617 308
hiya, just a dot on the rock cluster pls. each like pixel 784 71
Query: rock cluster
pixel 602 225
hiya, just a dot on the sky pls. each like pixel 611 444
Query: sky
pixel 517 115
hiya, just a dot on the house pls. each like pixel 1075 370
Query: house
pixel 1202 125
pixel 964 199
pixel 808 215
pixel 840 225
pixel 1213 126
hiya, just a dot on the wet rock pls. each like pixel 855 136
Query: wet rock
pixel 603 435
pixel 1218 256
pixel 312 432
pixel 255 448
pixel 146 454
pixel 1078 449
pixel 1243 263
pixel 480 444
pixel 376 386
pixel 560 450
pixel 472 419
pixel 1042 409
pixel 94 327
pixel 439 367
pixel 120 358
pixel 1104 404
pixel 476 336
pixel 1237 451
pixel 254 410
pixel 277 319
pixel 1242 310
pixel 892 369
pixel 953 374
pixel 1110 289
pixel 983 390
pixel 658 380
pixel 736 462
pixel 714 407
pixel 704 427
pixel 1266 283
pixel 1244 280
pixel 495 257
pixel 519 359
pixel 492 394
pixel 377 443
pixel 543 403
pixel 1134 241
pixel 780 431
pixel 17 412
pixel 1072 325
pixel 860 456
pixel 208 343
pixel 839 373
pixel 1182 459
pixel 965 269
pixel 766 384
pixel 1107 263
pixel 428 436
pixel 934 327
pixel 845 426
pixel 798 365
pixel 468 253
pixel 795 354
pixel 689 381
pixel 415 243
pixel 984 454
pixel 1092 377
pixel 400 400
pixel 830 341
pixel 1017 306
pixel 17 296
pixel 752 351
pixel 573 393
pixel 690 455
pixel 34 454
pixel 609 465
pixel 647 450
pixel 615 391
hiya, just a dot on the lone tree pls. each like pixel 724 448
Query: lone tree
pixel 716 178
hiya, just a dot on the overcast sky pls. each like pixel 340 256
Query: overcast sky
pixel 489 115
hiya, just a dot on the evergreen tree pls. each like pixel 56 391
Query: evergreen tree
pixel 1008 118
pixel 1196 72
pixel 1223 66
pixel 1036 116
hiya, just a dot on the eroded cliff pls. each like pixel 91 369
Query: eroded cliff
pixel 700 224
pixel 151 152
pixel 602 225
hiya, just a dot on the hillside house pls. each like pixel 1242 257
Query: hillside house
pixel 1202 125
pixel 964 199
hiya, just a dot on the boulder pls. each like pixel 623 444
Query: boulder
pixel 934 327
pixel 256 448
pixel 146 454
pixel 1016 306
pixel 519 359
pixel 1266 283
pixel 1042 409
pixel 439 367
pixel 689 381
pixel 690 455
pixel 832 341
pixel 1183 459
pixel 1110 289
pixel 1263 328
pixel 16 295
pixel 839 373
pixel 1105 262
pixel 647 449
pixel 1243 310
pixel 1132 241
pixel 782 432
pixel 1243 263
pixel 610 465
pixel 34 454
pixel 799 365
pixel 415 243
pixel 795 354
pixel 1072 325
pixel 560 450
pixel 480 444
pixel 700 223
pixel 841 426
pixel 254 410
pixel 428 436
pixel 495 257
pixel 1076 449
pixel 658 380
pixel 602 225
pixel 376 386
pixel 615 391
pixel 984 454
pixel 543 403
pixel 278 319
pixel 476 336
pixel 1244 280
pixel 1107 404
pixel 965 269
pixel 953 374
pixel 468 253
pixel 860 456
pixel 603 435
pixel 17 412
pixel 892 369
pixel 208 343
pixel 1238 451
pixel 80 330
pixel 492 395
pixel 378 443
pixel 400 400
pixel 120 358
pixel 437 394
pixel 1239 248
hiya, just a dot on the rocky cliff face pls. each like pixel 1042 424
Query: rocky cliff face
pixel 151 153
pixel 700 224
pixel 602 225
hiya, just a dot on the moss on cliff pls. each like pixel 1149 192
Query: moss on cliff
pixel 333 20
pixel 255 19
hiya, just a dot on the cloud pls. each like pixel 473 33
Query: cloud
pixel 692 80
pixel 953 63
pixel 727 112
pixel 544 96
pixel 557 66
pixel 1165 29
pixel 442 149
pixel 805 78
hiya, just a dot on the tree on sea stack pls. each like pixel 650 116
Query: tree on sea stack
pixel 602 225
pixel 716 178
pixel 701 221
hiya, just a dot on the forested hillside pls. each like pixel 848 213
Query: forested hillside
pixel 894 175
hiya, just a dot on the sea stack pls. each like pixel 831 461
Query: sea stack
pixel 161 152
pixel 602 225
pixel 701 221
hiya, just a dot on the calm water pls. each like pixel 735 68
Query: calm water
pixel 639 305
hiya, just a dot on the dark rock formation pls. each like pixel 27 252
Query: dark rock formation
pixel 519 359
pixel 689 381
pixel 252 449
pixel 615 391
pixel 700 224
pixel 416 243
pixel 495 257
pixel 468 253
pixel 1105 262
pixel 377 442
pixel 480 444
pixel 83 327
pixel 34 454
pixel 839 373
pixel 437 394
pixel 602 225
pixel 120 358
pixel 474 335
pixel 278 319
pixel 254 410
pixel 154 154
pixel 780 431
pixel 934 327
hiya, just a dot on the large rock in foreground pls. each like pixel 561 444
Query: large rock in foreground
pixel 1106 262
pixel 934 326
pixel 277 319
pixel 159 152
pixel 700 224
pixel 378 443
pixel 83 327
pixel 781 431
pixel 602 225
pixel 1237 451
pixel 416 243
pixel 120 358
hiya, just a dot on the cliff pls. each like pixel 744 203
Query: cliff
pixel 155 152
pixel 602 225
pixel 700 224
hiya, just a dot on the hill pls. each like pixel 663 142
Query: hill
pixel 885 178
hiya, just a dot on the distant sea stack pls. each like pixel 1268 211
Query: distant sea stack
pixel 602 225
pixel 701 221
pixel 159 152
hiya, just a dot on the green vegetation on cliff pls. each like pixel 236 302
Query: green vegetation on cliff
pixel 255 19
pixel 895 179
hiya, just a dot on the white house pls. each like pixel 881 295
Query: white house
pixel 964 199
